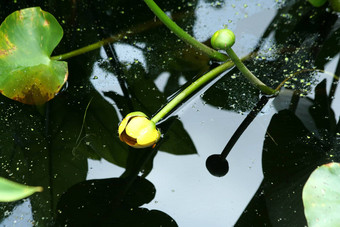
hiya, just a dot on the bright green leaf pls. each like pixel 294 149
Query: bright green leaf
pixel 27 39
pixel 321 196
pixel 11 191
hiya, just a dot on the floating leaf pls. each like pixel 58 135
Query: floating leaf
pixel 11 191
pixel 321 196
pixel 27 74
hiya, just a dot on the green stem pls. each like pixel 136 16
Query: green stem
pixel 191 88
pixel 249 75
pixel 88 48
pixel 182 34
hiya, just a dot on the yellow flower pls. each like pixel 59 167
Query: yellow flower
pixel 137 131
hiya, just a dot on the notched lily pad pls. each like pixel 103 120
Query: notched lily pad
pixel 321 196
pixel 27 73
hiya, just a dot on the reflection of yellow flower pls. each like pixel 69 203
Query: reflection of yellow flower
pixel 137 131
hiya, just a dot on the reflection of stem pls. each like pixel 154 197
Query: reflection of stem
pixel 81 129
pixel 243 126
pixel 191 88
pixel 136 169
pixel 294 101
pixel 182 34
pixel 114 61
pixel 249 75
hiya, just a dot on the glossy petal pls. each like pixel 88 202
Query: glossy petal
pixel 122 127
pixel 149 136
pixel 137 126
pixel 124 122
pixel 138 131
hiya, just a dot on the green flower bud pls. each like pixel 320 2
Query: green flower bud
pixel 137 131
pixel 223 39
pixel 317 3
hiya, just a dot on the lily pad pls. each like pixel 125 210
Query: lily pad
pixel 321 196
pixel 27 73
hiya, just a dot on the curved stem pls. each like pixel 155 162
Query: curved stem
pixel 191 88
pixel 249 75
pixel 182 34
pixel 88 48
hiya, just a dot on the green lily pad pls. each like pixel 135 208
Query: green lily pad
pixel 321 196
pixel 27 74
pixel 11 191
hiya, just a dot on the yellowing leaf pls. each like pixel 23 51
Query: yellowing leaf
pixel 27 74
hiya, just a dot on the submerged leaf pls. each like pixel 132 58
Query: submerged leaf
pixel 11 191
pixel 27 74
pixel 321 196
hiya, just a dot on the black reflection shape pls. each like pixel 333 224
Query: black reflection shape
pixel 292 149
pixel 217 164
pixel 110 202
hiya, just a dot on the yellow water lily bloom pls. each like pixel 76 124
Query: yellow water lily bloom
pixel 138 131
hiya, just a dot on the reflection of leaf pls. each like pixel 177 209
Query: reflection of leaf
pixel 176 140
pixel 146 96
pixel 288 158
pixel 11 191
pixel 321 196
pixel 300 30
pixel 28 38
pixel 290 153
pixel 322 107
pixel 330 48
pixel 111 202
pixel 101 135
pixel 32 156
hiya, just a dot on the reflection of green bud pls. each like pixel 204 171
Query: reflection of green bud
pixel 137 131
pixel 223 39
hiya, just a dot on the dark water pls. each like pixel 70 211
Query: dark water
pixel 92 181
